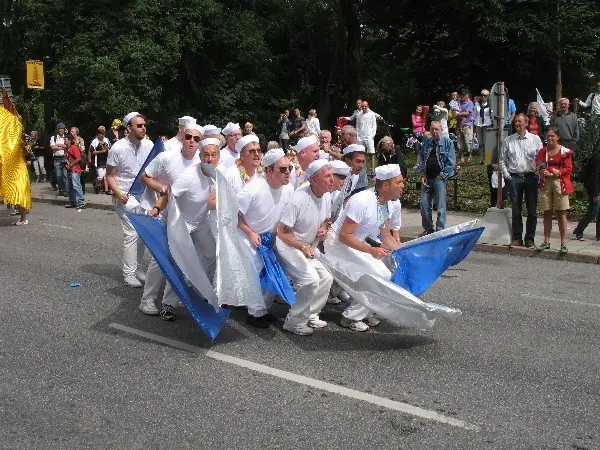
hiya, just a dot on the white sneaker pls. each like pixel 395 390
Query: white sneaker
pixel 300 331
pixel 133 282
pixel 372 321
pixel 343 296
pixel 141 276
pixel 317 323
pixel 149 308
pixel 21 222
pixel 333 301
pixel 354 325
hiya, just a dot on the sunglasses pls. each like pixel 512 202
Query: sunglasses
pixel 189 137
pixel 255 151
pixel 140 125
pixel 341 177
pixel 286 169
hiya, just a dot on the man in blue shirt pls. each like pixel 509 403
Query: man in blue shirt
pixel 511 111
pixel 465 133
pixel 436 166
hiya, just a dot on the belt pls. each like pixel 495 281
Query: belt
pixel 522 175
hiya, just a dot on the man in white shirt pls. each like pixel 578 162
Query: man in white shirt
pixel 592 100
pixel 483 120
pixel 366 216
pixel 176 142
pixel 355 156
pixel 159 174
pixel 58 147
pixel 229 154
pixel 517 163
pixel 210 132
pixel 248 166
pixel 302 225
pixel 358 110
pixel 366 129
pixel 341 172
pixel 125 160
pixel 307 151
pixel 260 205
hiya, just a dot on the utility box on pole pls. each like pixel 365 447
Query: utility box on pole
pixel 5 84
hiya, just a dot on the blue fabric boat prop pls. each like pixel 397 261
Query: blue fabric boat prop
pixel 272 277
pixel 137 188
pixel 154 234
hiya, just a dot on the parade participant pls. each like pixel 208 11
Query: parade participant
pixel 210 154
pixel 125 159
pixel 355 156
pixel 160 173
pixel 302 225
pixel 176 142
pixel 248 166
pixel 341 171
pixel 210 132
pixel 260 205
pixel 366 215
pixel 229 154
pixel 307 151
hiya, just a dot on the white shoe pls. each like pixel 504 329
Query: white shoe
pixel 149 308
pixel 300 331
pixel 333 301
pixel 180 305
pixel 21 222
pixel 343 296
pixel 354 325
pixel 133 282
pixel 372 321
pixel 141 276
pixel 317 323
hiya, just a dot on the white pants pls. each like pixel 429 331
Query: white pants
pixel 260 306
pixel 38 166
pixel 356 311
pixel 368 143
pixel 154 279
pixel 133 246
pixel 312 279
pixel 100 173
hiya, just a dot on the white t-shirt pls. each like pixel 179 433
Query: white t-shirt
pixel 234 178
pixel 128 160
pixel 57 140
pixel 305 213
pixel 192 189
pixel 173 144
pixel 228 158
pixel 395 209
pixel 297 181
pixel 313 125
pixel 261 205
pixel 165 169
pixel 362 208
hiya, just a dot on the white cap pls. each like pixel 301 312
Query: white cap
pixel 340 167
pixel 128 117
pixel 239 145
pixel 323 155
pixel 315 166
pixel 210 141
pixel 209 130
pixel 230 128
pixel 305 142
pixel 272 156
pixel 192 126
pixel 387 172
pixel 354 148
pixel 183 120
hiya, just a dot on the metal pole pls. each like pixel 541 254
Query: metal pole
pixel 500 138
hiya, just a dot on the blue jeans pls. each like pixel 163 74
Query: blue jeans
pixel 592 214
pixel 436 192
pixel 74 189
pixel 519 187
pixel 61 175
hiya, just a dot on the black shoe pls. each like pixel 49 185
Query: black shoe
pixel 258 322
pixel 270 318
pixel 166 313
pixel 54 188
pixel 70 206
pixel 530 244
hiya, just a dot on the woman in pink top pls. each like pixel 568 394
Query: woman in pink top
pixel 418 122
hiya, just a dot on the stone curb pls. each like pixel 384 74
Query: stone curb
pixel 63 201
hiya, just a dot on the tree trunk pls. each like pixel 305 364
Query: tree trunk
pixel 558 56
pixel 349 14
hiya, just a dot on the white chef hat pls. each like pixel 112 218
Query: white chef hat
pixel 239 145
pixel 272 156
pixel 230 128
pixel 387 172
pixel 192 126
pixel 209 130
pixel 340 167
pixel 210 141
pixel 315 166
pixel 305 142
pixel 323 155
pixel 183 120
pixel 354 148
pixel 128 117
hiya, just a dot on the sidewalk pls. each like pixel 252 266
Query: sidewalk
pixel 587 251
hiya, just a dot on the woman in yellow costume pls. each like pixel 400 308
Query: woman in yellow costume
pixel 15 186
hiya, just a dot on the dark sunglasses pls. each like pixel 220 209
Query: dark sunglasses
pixel 189 137
pixel 255 151
pixel 140 125
pixel 286 169
pixel 341 177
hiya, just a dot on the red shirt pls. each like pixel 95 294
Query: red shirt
pixel 73 154
pixel 533 126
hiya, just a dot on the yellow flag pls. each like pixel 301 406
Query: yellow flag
pixel 35 74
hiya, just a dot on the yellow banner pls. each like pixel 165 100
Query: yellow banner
pixel 35 74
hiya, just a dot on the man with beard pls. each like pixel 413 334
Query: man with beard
pixel 229 155
pixel 307 151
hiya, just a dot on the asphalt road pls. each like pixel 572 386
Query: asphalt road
pixel 519 370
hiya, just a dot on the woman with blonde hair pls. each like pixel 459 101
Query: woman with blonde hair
pixel 536 123
pixel 312 123
pixel 272 144
pixel 248 129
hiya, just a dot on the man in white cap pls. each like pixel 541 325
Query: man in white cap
pixel 302 225
pixel 365 217
pixel 341 172
pixel 210 131
pixel 125 160
pixel 355 156
pixel 260 205
pixel 247 167
pixel 176 142
pixel 229 154
pixel 307 151
pixel 158 176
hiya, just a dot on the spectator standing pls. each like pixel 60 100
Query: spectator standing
pixel 418 122
pixel 511 111
pixel 517 162
pixel 455 109
pixel 115 131
pixel 313 125
pixel 591 177
pixel 536 123
pixel 58 147
pixel 74 162
pixel 248 129
pixel 326 146
pixel 79 142
pixel 298 126
pixel 437 165
pixel 38 151
pixel 465 133
pixel 482 120
pixel 592 100
pixel 388 153
pixel 285 126
pixel 566 123
pixel 97 156
pixel 440 114
pixel 554 165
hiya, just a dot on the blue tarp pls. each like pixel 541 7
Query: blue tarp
pixel 137 188
pixel 154 234
pixel 419 265
pixel 272 277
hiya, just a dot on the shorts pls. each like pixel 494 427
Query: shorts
pixel 368 143
pixel 551 196
pixel 100 173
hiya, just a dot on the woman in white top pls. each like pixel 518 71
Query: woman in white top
pixel 312 123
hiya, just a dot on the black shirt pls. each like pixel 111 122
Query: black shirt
pixel 432 166
pixel 298 122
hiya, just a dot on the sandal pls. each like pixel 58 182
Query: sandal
pixel 579 237
pixel 564 249
pixel 545 246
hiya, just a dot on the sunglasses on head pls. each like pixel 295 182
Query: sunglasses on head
pixel 286 169
pixel 189 137
pixel 341 177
